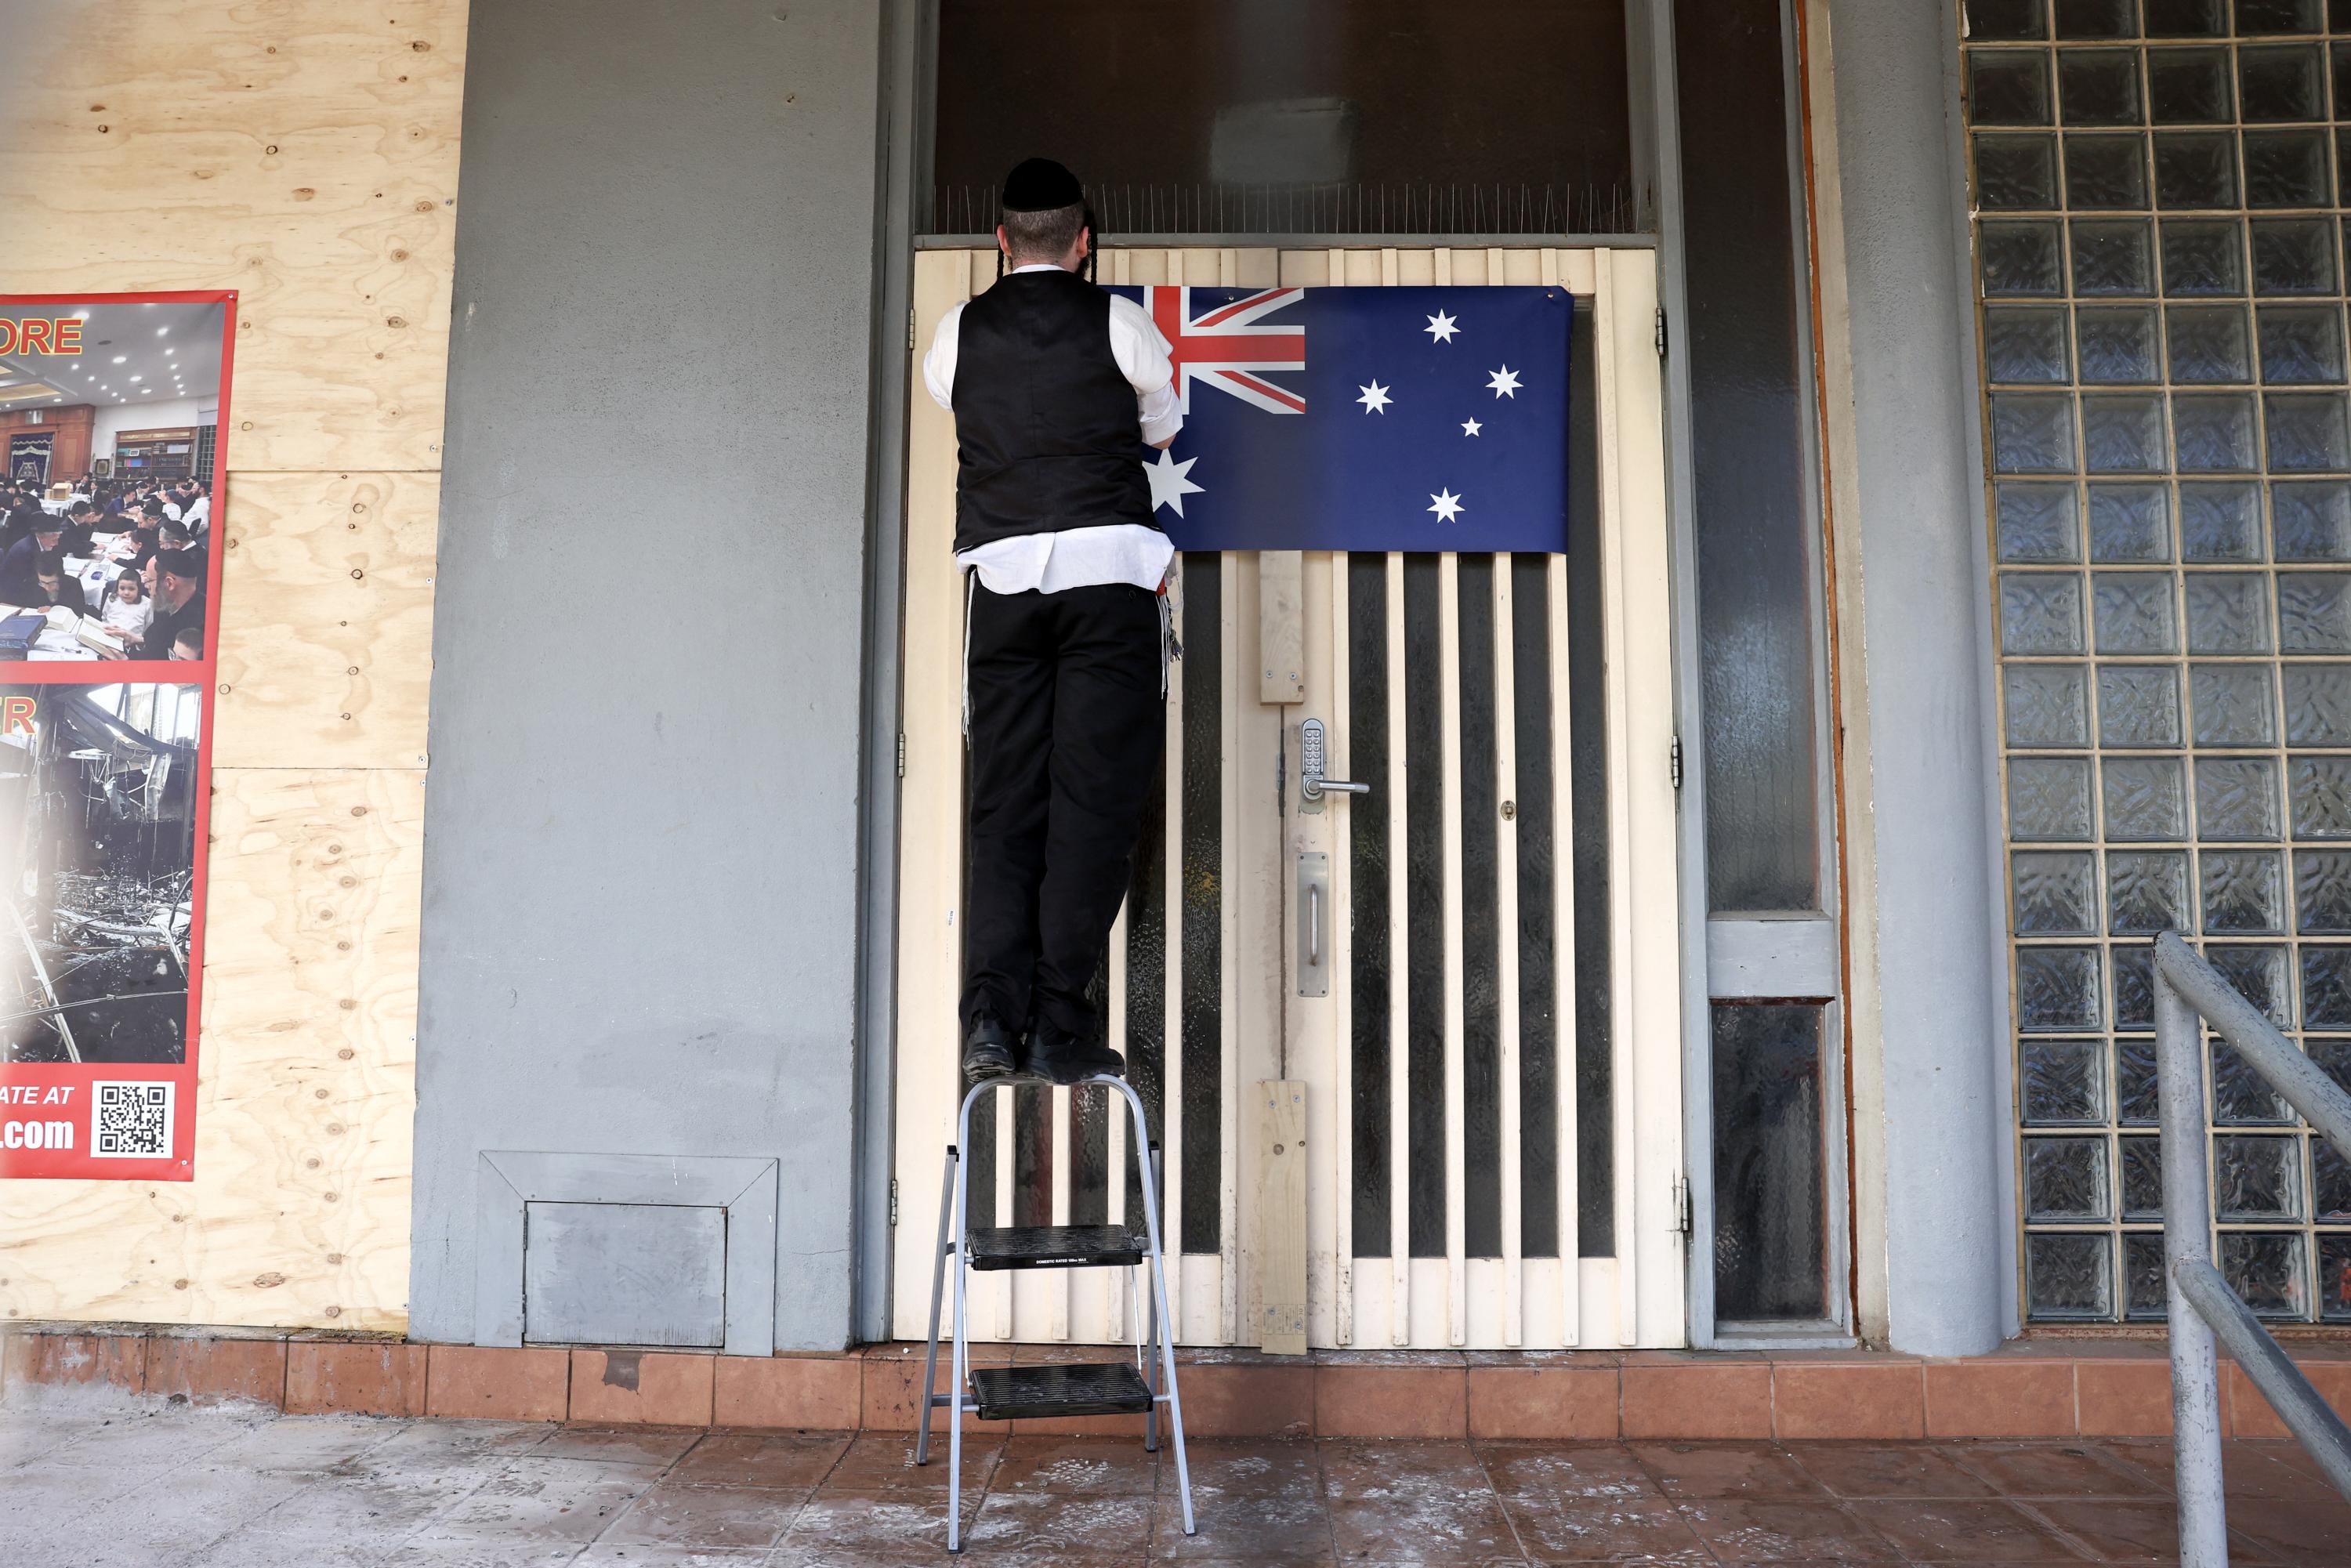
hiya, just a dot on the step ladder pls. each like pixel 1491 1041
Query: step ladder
pixel 1016 1392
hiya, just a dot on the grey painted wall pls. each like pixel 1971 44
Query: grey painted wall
pixel 1949 1237
pixel 639 927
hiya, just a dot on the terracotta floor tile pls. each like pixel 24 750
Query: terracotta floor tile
pixel 1061 1526
pixel 1565 1477
pixel 2117 1529
pixel 1725 1469
pixel 618 1445
pixel 540 1501
pixel 2265 1472
pixel 1608 1530
pixel 1977 1531
pixel 1886 1470
pixel 707 1516
pixel 1785 1530
pixel 884 1462
pixel 1076 1467
pixel 1288 1525
pixel 1413 1502
pixel 2052 1469
pixel 2314 1533
pixel 1358 1469
pixel 783 1461
pixel 1240 1467
pixel 1417 1521
pixel 858 1527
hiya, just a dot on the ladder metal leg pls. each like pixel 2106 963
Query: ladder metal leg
pixel 1150 1366
pixel 938 1283
pixel 962 1362
pixel 1166 1342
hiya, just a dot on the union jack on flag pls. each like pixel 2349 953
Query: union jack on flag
pixel 1426 419
pixel 1228 345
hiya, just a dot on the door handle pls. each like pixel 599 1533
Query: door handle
pixel 1311 752
pixel 1312 963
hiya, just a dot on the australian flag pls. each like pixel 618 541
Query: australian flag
pixel 1365 419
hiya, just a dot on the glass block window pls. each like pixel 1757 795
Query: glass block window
pixel 2159 219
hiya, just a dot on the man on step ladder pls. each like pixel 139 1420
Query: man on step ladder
pixel 1056 387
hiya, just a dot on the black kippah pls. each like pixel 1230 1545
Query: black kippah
pixel 1039 186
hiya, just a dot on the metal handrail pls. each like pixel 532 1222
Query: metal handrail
pixel 2190 992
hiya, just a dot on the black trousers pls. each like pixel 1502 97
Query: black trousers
pixel 1067 725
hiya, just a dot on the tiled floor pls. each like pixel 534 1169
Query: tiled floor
pixel 136 1482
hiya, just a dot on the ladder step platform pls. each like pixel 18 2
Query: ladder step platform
pixel 1022 1392
pixel 1056 1247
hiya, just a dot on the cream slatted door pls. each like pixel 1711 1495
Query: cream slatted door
pixel 1455 1150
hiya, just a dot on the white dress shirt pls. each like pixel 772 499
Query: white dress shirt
pixel 1078 558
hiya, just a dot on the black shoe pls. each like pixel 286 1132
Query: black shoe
pixel 987 1049
pixel 1061 1057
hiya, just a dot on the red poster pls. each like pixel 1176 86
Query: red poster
pixel 113 409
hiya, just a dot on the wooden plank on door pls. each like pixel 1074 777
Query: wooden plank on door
pixel 930 935
pixel 1280 626
pixel 1281 1150
pixel 1649 993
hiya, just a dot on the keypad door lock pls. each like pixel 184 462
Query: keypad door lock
pixel 1313 755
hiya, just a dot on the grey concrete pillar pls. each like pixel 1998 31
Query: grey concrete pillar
pixel 1948 1242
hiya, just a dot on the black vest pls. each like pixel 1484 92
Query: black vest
pixel 1047 433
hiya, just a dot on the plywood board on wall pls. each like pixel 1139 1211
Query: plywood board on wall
pixel 305 1093
pixel 304 154
pixel 326 655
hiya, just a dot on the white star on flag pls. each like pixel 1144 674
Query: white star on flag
pixel 1470 427
pixel 1169 484
pixel 1375 398
pixel 1505 382
pixel 1449 506
pixel 1441 327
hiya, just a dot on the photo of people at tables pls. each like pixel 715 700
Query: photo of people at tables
pixel 108 419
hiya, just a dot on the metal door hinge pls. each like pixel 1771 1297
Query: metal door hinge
pixel 901 754
pixel 1681 1204
pixel 1673 762
pixel 893 1201
pixel 1661 332
pixel 910 327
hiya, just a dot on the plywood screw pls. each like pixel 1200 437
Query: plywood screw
pixel 334 1257
pixel 357 574
pixel 345 1055
pixel 358 810
pixel 271 148
pixel 320 1094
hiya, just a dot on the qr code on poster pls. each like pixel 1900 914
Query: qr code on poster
pixel 131 1121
